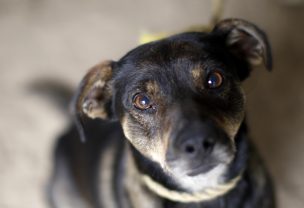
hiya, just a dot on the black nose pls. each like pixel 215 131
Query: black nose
pixel 195 145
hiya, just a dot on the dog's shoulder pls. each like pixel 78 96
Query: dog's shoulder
pixel 78 163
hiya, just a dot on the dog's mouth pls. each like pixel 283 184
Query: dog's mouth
pixel 201 169
pixel 196 168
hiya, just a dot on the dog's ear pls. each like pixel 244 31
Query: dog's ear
pixel 94 95
pixel 246 42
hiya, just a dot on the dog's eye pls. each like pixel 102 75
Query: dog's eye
pixel 214 80
pixel 141 101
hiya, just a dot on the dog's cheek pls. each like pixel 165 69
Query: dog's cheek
pixel 234 116
pixel 151 148
pixel 232 125
pixel 225 154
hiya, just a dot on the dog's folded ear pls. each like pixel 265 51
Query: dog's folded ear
pixel 93 97
pixel 246 41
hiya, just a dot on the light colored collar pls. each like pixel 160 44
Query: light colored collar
pixel 185 197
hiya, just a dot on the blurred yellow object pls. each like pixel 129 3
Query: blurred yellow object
pixel 149 37
pixel 217 8
pixel 146 37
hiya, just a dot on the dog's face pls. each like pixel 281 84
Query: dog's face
pixel 179 100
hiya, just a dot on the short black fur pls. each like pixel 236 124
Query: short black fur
pixel 172 74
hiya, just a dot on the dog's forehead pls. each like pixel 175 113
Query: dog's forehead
pixel 167 52
pixel 180 52
pixel 176 63
pixel 166 58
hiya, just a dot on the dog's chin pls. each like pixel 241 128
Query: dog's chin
pixel 201 169
pixel 200 178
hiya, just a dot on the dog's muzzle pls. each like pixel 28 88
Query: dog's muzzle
pixel 198 148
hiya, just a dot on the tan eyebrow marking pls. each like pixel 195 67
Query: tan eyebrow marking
pixel 197 75
pixel 152 87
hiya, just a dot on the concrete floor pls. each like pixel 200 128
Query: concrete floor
pixel 61 39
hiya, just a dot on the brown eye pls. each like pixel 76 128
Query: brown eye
pixel 141 101
pixel 214 80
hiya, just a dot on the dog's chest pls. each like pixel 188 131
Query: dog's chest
pixel 119 184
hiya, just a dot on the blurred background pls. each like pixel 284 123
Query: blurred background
pixel 61 39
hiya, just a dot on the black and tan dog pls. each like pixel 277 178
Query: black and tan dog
pixel 171 127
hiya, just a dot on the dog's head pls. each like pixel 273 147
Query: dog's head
pixel 179 99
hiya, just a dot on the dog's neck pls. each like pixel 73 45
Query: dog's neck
pixel 139 196
pixel 184 197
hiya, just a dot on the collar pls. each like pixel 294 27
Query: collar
pixel 185 197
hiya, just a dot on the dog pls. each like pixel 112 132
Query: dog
pixel 165 127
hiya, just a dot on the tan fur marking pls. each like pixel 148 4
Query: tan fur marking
pixel 94 84
pixel 197 75
pixel 106 176
pixel 99 84
pixel 152 148
pixel 152 87
pixel 139 196
pixel 231 127
pixel 93 109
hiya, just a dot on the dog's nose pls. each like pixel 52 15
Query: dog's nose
pixel 195 145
